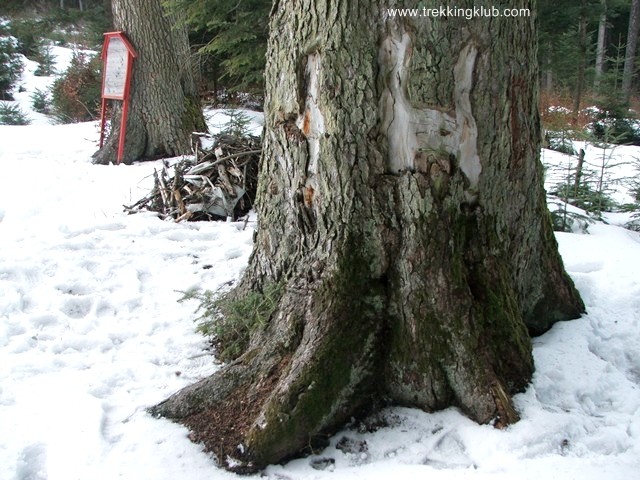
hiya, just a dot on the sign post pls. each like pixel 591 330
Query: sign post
pixel 117 61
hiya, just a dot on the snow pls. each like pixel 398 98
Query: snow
pixel 91 334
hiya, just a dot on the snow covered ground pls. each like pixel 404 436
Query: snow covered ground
pixel 91 333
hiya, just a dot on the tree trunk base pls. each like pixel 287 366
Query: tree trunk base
pixel 310 371
pixel 338 348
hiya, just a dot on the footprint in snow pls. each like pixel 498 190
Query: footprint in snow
pixel 76 307
pixel 32 463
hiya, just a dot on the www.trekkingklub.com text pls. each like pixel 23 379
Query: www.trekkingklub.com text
pixel 468 13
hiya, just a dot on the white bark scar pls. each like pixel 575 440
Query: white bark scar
pixel 311 121
pixel 467 130
pixel 410 130
pixel 396 111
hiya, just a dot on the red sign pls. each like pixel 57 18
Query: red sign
pixel 117 60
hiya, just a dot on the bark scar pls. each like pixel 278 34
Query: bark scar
pixel 394 56
pixel 414 134
pixel 311 120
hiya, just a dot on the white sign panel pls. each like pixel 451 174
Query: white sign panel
pixel 115 69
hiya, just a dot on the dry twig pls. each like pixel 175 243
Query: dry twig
pixel 211 185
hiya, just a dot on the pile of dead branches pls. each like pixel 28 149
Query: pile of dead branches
pixel 217 183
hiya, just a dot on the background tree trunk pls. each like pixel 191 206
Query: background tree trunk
pixel 164 108
pixel 547 75
pixel 401 207
pixel 582 62
pixel 601 46
pixel 630 53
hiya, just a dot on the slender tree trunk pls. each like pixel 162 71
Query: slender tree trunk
pixel 582 62
pixel 630 53
pixel 164 108
pixel 578 177
pixel 601 46
pixel 548 76
pixel 401 208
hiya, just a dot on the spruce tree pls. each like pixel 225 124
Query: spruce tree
pixel 234 34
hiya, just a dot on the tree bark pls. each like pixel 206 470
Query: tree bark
pixel 163 109
pixel 578 179
pixel 548 78
pixel 630 52
pixel 601 46
pixel 582 62
pixel 401 207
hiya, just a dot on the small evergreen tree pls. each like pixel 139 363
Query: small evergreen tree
pixel 588 186
pixel 11 114
pixel 563 218
pixel 41 101
pixel 238 123
pixel 10 64
pixel 46 60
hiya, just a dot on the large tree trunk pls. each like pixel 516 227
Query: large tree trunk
pixel 401 207
pixel 630 52
pixel 163 108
